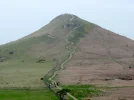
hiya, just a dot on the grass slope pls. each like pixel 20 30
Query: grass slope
pixel 27 95
pixel 83 91
pixel 22 46
pixel 14 73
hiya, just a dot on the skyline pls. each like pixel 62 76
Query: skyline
pixel 21 18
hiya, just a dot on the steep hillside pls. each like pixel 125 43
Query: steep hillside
pixel 100 57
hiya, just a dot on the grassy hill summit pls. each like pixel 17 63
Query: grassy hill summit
pixel 89 53
pixel 39 44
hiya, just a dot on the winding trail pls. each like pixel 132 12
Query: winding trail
pixel 61 68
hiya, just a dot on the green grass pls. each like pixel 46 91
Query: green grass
pixel 23 74
pixel 22 46
pixel 27 95
pixel 83 91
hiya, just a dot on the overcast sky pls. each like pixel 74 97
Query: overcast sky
pixel 19 18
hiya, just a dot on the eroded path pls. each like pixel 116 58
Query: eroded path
pixel 61 68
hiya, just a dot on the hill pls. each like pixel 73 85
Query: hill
pixel 101 57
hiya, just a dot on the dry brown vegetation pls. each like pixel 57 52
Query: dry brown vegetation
pixel 102 58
